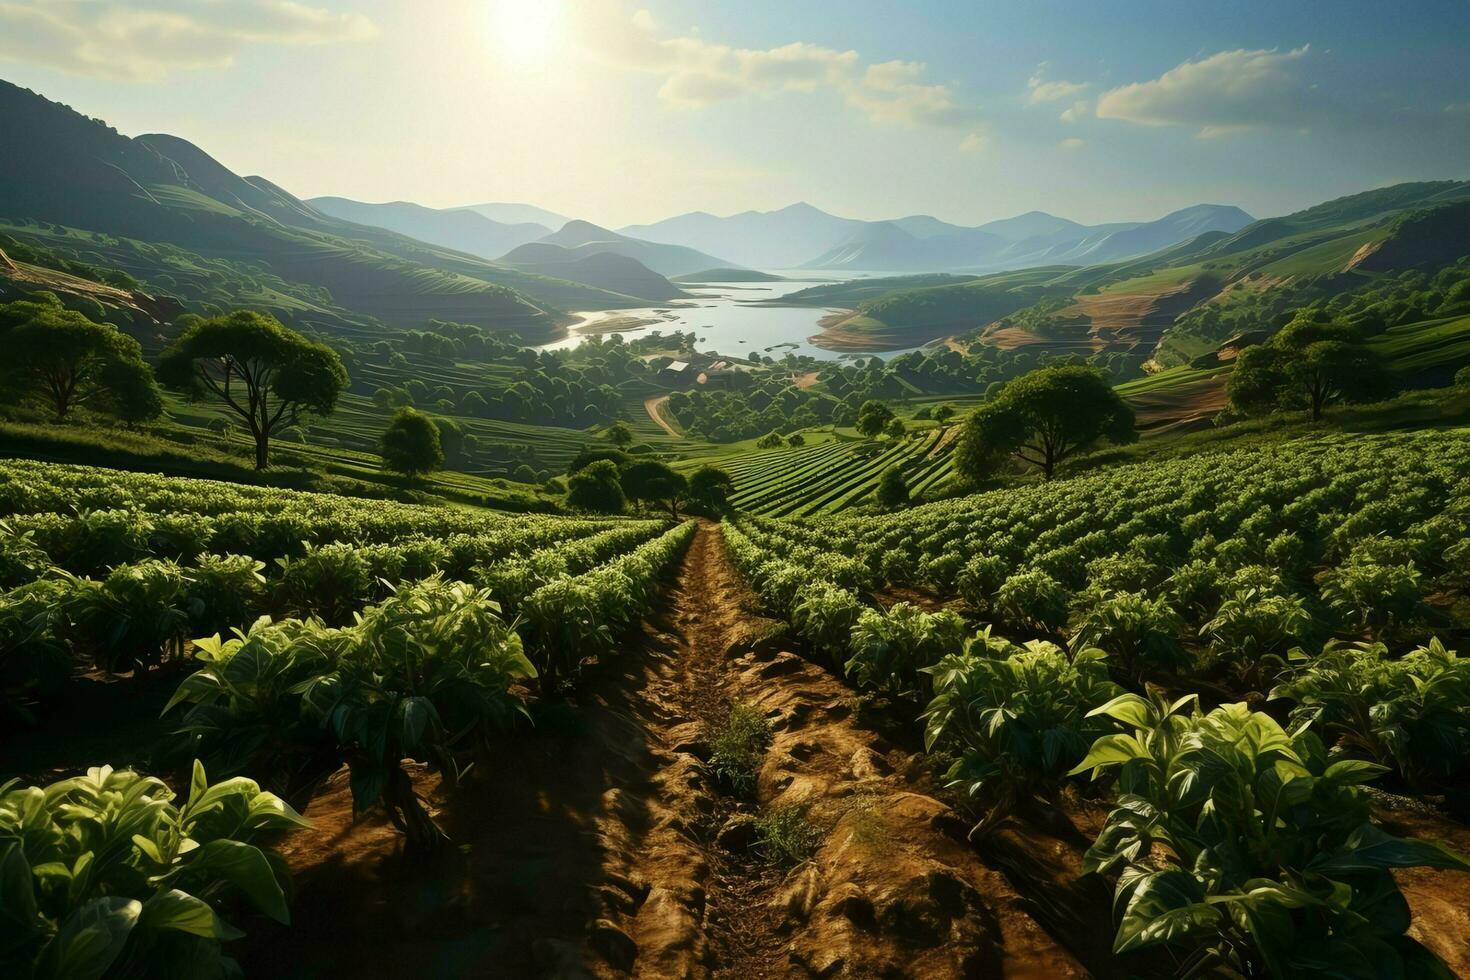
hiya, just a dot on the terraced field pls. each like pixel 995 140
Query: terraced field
pixel 834 476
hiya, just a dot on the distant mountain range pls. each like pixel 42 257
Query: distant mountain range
pixel 166 213
pixel 465 229
pixel 801 236
pixel 586 238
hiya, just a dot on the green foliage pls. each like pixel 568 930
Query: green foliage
pixel 1043 419
pixel 738 747
pixel 892 491
pixel 619 435
pixel 891 651
pixel 709 489
pixel 1140 634
pixel 785 835
pixel 1033 598
pixel 650 482
pixel 66 361
pixel 106 874
pixel 1411 715
pixel 411 444
pixel 825 615
pixel 597 488
pixel 873 418
pixel 262 372
pixel 1016 719
pixel 1245 847
pixel 1313 362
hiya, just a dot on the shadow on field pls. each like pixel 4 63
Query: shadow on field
pixel 519 891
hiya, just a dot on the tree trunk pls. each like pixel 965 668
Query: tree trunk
pixel 262 450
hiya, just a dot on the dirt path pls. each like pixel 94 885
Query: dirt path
pixel 654 407
pixel 592 845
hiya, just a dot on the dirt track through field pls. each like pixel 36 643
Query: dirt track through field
pixel 592 846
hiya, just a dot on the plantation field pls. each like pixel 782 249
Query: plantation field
pixel 833 476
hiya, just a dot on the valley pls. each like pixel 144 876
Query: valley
pixel 634 575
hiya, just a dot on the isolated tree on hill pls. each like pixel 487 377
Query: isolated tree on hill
pixel 771 440
pixel 261 371
pixel 65 360
pixel 709 488
pixel 596 488
pixel 943 413
pixel 648 481
pixel 895 428
pixel 1312 362
pixel 1043 418
pixel 619 435
pixel 523 474
pixel 872 417
pixel 893 491
pixel 411 444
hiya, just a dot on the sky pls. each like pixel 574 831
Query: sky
pixel 628 112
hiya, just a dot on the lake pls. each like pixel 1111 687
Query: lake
pixel 727 321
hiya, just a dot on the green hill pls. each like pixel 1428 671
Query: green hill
pixel 179 222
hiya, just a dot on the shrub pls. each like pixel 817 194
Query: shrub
pixel 1372 597
pixel 106 874
pixel 1241 844
pixel 980 580
pixel 1017 719
pixel 785 835
pixel 1141 634
pixel 825 615
pixel 890 650
pixel 1033 599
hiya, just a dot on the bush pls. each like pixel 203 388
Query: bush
pixel 1033 599
pixel 107 869
pixel 1017 719
pixel 737 748
pixel 1301 887
pixel 1141 634
pixel 891 650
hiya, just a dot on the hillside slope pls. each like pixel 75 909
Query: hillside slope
pixel 159 208
pixel 666 260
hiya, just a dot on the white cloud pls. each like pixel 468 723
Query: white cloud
pixel 698 72
pixel 1051 90
pixel 1072 143
pixel 1077 112
pixel 145 41
pixel 1229 92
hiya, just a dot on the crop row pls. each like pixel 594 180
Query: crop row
pixel 1214 573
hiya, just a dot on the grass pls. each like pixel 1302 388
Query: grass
pixel 737 748
pixel 785 835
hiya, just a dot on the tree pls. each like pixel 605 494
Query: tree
pixel 872 417
pixel 893 491
pixel 619 435
pixel 596 488
pixel 67 361
pixel 523 474
pixel 709 488
pixel 895 428
pixel 943 413
pixel 1312 362
pixel 1043 418
pixel 411 444
pixel 650 482
pixel 263 372
pixel 771 440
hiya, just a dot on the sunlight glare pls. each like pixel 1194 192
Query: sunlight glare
pixel 525 30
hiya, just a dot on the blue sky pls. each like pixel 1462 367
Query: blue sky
pixel 626 112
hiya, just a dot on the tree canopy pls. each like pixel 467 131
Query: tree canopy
pixel 619 434
pixel 1313 362
pixel 262 371
pixel 66 361
pixel 411 444
pixel 893 490
pixel 596 488
pixel 650 482
pixel 1043 418
pixel 873 418
pixel 709 488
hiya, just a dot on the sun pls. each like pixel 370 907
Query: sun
pixel 525 30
